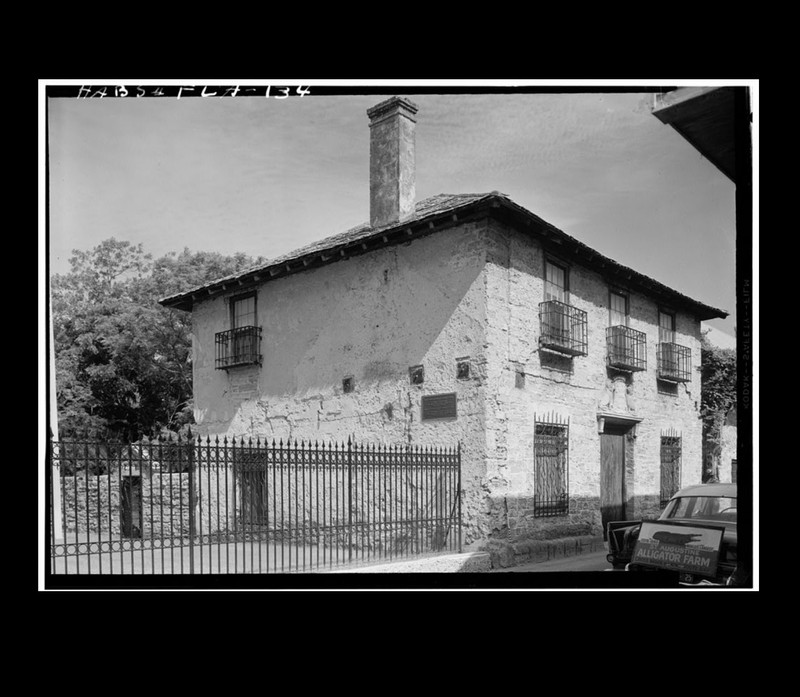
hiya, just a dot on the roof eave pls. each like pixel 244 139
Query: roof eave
pixel 491 204
pixel 569 246
pixel 402 231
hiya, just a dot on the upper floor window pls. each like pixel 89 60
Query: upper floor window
pixel 627 347
pixel 666 327
pixel 243 311
pixel 617 309
pixel 556 282
pixel 241 344
pixel 674 361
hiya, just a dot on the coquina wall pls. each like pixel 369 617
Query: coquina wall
pixel 573 388
pixel 370 318
pixel 92 506
pixel 729 452
pixel 470 293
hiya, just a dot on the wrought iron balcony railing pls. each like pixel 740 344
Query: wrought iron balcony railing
pixel 563 328
pixel 674 362
pixel 240 346
pixel 626 348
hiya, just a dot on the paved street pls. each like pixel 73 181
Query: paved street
pixel 232 558
pixel 593 561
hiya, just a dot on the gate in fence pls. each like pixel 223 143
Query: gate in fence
pixel 195 506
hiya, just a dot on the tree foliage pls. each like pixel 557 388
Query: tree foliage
pixel 718 398
pixel 719 379
pixel 122 361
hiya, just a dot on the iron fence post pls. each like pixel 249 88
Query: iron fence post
pixel 350 498
pixel 50 511
pixel 459 497
pixel 190 465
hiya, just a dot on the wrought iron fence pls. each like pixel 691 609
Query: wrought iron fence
pixel 563 328
pixel 203 506
pixel 551 465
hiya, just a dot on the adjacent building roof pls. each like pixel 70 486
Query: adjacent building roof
pixel 706 118
pixel 431 215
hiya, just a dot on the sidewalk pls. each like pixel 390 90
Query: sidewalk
pixel 591 561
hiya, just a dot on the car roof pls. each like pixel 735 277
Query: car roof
pixel 719 489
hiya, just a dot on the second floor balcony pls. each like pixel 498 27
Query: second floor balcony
pixel 563 328
pixel 240 346
pixel 626 348
pixel 674 362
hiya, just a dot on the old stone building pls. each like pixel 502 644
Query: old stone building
pixel 570 381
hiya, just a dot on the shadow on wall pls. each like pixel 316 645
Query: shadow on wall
pixel 370 325
pixel 519 517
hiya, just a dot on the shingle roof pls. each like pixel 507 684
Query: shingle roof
pixel 433 210
pixel 439 204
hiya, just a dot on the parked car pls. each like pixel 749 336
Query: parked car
pixel 702 505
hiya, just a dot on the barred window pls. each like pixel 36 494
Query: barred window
pixel 670 466
pixel 551 467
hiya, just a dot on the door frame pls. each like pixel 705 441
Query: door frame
pixel 625 426
pixel 618 497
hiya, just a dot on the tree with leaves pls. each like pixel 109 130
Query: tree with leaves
pixel 718 378
pixel 122 361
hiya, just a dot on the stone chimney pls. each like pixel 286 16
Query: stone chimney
pixel 392 170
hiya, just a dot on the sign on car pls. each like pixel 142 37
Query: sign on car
pixel 685 548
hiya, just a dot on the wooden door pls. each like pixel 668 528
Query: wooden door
pixel 612 478
pixel 131 496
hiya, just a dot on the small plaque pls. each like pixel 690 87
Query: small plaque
pixel 439 406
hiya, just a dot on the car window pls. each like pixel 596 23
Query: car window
pixel 705 507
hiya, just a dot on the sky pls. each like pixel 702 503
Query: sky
pixel 266 175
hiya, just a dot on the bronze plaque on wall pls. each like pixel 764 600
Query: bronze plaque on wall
pixel 439 406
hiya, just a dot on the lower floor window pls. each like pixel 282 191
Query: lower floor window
pixel 670 466
pixel 551 466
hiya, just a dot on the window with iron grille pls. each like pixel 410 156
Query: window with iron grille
pixel 241 344
pixel 563 328
pixel 551 466
pixel 626 347
pixel 670 466
pixel 674 360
